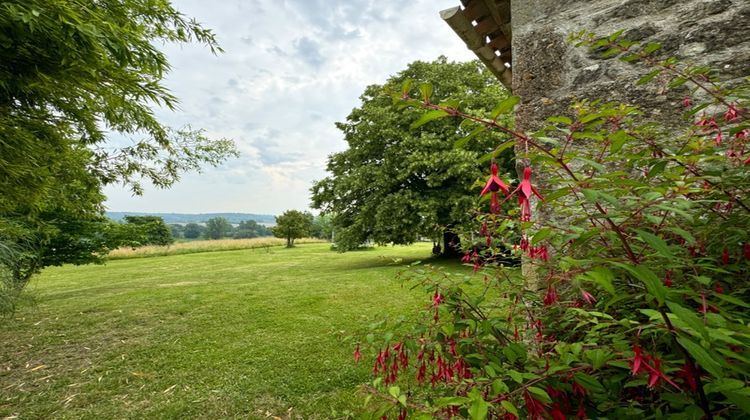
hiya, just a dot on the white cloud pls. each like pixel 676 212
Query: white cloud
pixel 291 70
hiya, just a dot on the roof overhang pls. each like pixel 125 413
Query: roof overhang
pixel 484 26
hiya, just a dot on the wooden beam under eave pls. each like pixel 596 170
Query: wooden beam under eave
pixel 462 26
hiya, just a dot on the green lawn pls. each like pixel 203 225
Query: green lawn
pixel 244 334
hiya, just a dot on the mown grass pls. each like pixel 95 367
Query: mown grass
pixel 237 334
pixel 191 247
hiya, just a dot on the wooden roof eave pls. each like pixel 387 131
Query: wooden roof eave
pixel 489 39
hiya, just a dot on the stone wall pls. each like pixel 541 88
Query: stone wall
pixel 549 72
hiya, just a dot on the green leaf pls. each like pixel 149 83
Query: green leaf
pixel 465 140
pixel 651 47
pixel 656 243
pixel 478 409
pixel 701 356
pixel 589 382
pixel 450 401
pixel 426 90
pixel 406 86
pixel 591 196
pixel 597 357
pixel 689 318
pixel 741 401
pixel 516 376
pixel 395 391
pixel 600 276
pixel 499 387
pixel 509 407
pixel 654 286
pixel 429 116
pixel 723 385
pixel 540 235
pixel 540 394
pixel 649 77
pixel 617 140
pixel 500 149
pixel 506 105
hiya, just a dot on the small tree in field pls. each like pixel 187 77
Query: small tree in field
pixel 291 225
pixel 193 231
pixel 217 228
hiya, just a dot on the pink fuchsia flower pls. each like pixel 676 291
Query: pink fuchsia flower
pixel 524 191
pixel 357 355
pixel 731 114
pixel 686 101
pixel 637 362
pixel 668 279
pixel 493 185
pixel 588 297
pixel 551 296
pixel 746 250
pixel 437 298
pixel 708 124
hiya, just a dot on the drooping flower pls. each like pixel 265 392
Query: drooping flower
pixel 725 256
pixel 437 298
pixel 493 185
pixel 668 279
pixel 551 296
pixel 687 374
pixel 637 362
pixel 686 101
pixel 731 114
pixel 746 250
pixel 524 191
pixel 357 355
pixel 588 297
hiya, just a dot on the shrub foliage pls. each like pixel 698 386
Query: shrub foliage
pixel 634 298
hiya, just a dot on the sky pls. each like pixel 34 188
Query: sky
pixel 290 70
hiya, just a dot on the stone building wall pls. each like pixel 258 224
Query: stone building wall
pixel 549 72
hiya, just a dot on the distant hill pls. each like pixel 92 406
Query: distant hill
pixel 181 218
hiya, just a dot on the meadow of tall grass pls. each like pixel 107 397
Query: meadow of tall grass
pixel 191 247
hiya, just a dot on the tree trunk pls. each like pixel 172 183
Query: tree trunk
pixel 451 244
pixel 289 242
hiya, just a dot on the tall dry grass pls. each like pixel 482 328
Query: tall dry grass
pixel 202 246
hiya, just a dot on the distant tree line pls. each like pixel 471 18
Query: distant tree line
pixel 218 228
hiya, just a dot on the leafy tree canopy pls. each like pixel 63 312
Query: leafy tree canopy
pixel 152 230
pixel 72 71
pixel 291 225
pixel 397 184
pixel 217 228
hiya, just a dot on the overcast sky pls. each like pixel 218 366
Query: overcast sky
pixel 290 70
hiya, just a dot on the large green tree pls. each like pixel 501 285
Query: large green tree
pixel 151 230
pixel 395 183
pixel 217 228
pixel 291 225
pixel 71 72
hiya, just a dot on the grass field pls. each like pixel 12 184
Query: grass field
pixel 192 247
pixel 235 334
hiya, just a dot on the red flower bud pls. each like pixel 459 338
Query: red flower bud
pixel 357 354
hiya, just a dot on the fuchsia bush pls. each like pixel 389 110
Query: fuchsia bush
pixel 635 298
